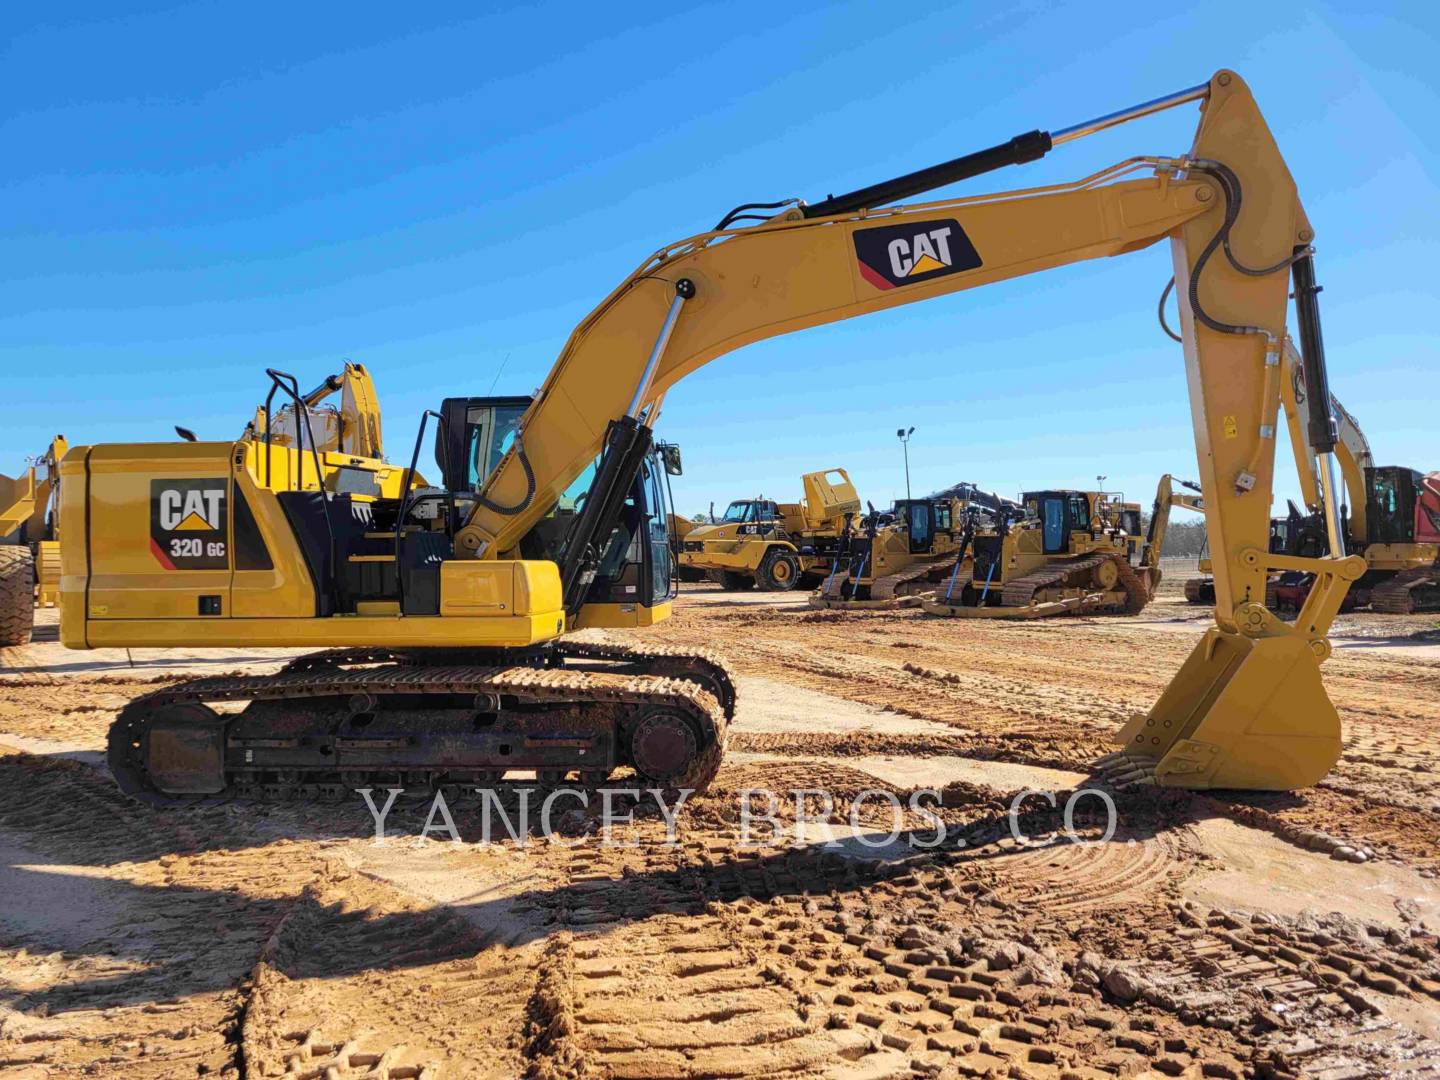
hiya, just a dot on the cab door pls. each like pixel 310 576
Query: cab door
pixel 920 524
pixel 1056 532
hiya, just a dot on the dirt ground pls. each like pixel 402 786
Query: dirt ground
pixel 1213 935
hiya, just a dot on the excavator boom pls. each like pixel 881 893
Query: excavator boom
pixel 1248 709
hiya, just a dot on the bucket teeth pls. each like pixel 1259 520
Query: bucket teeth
pixel 1124 769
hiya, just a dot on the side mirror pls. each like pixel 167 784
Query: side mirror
pixel 186 434
pixel 670 456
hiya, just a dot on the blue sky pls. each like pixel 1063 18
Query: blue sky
pixel 190 193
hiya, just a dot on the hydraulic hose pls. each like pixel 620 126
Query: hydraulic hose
pixel 510 511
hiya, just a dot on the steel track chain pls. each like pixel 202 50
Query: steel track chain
pixel 324 675
pixel 883 588
pixel 1020 592
pixel 1394 597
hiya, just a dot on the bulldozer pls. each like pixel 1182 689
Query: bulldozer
pixel 29 544
pixel 775 545
pixel 1065 552
pixel 440 614
pixel 887 561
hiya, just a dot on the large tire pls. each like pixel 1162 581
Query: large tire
pixel 779 571
pixel 733 581
pixel 17 594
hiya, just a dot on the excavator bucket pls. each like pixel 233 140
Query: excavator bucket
pixel 1242 713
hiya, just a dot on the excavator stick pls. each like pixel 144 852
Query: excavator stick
pixel 1242 712
pixel 1247 709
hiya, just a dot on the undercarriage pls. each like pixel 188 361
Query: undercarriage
pixel 1097 584
pixel 568 714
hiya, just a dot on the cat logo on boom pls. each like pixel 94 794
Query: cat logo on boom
pixel 189 524
pixel 914 251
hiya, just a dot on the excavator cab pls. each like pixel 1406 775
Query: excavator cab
pixel 472 437
pixel 1392 492
pixel 636 562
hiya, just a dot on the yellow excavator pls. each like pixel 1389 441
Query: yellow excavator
pixel 29 544
pixel 775 545
pixel 1064 553
pixel 1170 492
pixel 1393 517
pixel 447 661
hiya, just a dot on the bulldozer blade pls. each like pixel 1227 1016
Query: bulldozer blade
pixel 1242 712
pixel 1040 610
pixel 834 603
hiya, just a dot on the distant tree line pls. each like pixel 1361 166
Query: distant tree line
pixel 1183 539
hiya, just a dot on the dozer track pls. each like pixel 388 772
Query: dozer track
pixel 1021 591
pixel 890 586
pixel 885 591
pixel 1408 592
pixel 331 722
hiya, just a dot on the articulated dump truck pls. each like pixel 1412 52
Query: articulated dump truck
pixel 775 545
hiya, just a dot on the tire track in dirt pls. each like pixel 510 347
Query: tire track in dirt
pixel 145 973
pixel 713 961
pixel 363 980
pixel 258 958
pixel 64 709
pixel 1051 694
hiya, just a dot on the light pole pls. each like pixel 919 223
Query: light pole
pixel 904 437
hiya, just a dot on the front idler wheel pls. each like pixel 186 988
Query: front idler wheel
pixel 667 751
pixel 177 749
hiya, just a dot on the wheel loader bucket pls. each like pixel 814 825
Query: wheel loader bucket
pixel 1241 713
